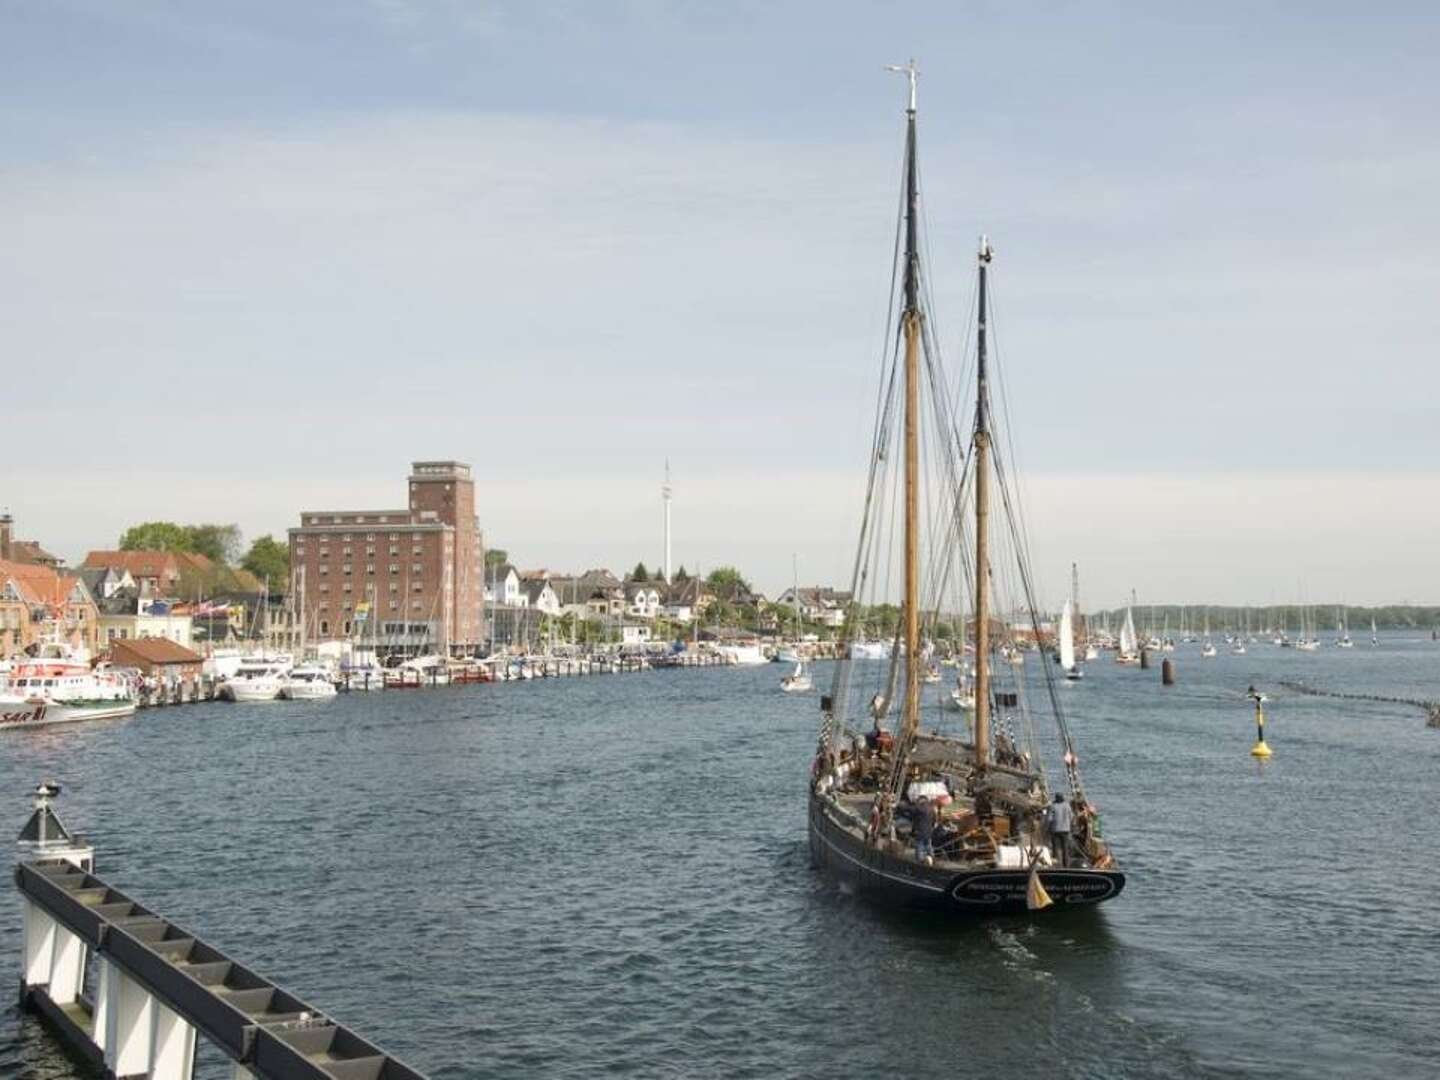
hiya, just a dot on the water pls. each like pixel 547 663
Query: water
pixel 609 875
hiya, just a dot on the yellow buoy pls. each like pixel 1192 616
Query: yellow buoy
pixel 1260 749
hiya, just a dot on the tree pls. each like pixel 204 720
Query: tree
pixel 681 576
pixel 496 558
pixel 639 573
pixel 155 536
pixel 218 543
pixel 269 560
pixel 727 582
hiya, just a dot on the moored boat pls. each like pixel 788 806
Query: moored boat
pixel 59 686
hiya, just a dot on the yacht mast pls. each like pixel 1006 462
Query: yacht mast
pixel 982 526
pixel 910 718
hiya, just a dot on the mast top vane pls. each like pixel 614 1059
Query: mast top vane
pixel 912 73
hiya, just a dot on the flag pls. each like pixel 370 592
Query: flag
pixel 1036 898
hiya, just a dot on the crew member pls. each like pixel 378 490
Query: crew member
pixel 1060 823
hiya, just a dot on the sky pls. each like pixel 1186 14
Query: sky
pixel 261 256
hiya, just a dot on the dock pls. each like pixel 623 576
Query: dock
pixel 158 987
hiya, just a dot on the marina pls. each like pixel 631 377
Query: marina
pixel 717 929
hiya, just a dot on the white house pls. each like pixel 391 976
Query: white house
pixel 502 587
pixel 634 634
pixel 642 600
pixel 540 595
pixel 825 606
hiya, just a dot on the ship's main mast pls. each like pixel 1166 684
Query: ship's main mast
pixel 982 529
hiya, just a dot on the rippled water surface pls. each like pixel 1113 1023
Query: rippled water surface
pixel 609 875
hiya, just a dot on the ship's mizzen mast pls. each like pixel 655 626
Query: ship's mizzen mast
pixel 982 525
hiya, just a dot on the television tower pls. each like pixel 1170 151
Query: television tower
pixel 665 495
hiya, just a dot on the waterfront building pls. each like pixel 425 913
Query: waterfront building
pixel 156 656
pixel 126 616
pixel 40 603
pixel 642 599
pixel 683 601
pixel 502 586
pixel 818 604
pixel 416 572
pixel 539 595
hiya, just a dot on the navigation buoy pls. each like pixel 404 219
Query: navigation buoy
pixel 1167 672
pixel 1144 659
pixel 1260 749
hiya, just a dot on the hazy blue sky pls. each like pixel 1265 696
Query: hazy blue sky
pixel 259 256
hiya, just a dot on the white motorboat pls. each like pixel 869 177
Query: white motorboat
pixel 742 654
pixel 869 650
pixel 428 670
pixel 258 679
pixel 308 682
pixel 58 686
pixel 797 681
pixel 1208 650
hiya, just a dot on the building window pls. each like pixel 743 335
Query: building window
pixel 370 552
pixel 324 627
pixel 415 605
pixel 346 538
pixel 394 550
pixel 417 550
pixel 324 605
pixel 394 605
pixel 347 569
pixel 347 586
pixel 370 538
pixel 370 569
pixel 345 552
pixel 394 586
pixel 324 569
pixel 324 587
pixel 417 587
pixel 417 568
pixel 394 567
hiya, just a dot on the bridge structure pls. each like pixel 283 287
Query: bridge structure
pixel 132 993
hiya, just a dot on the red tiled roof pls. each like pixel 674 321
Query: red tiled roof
pixel 154 564
pixel 38 584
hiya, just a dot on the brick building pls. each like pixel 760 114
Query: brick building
pixel 412 579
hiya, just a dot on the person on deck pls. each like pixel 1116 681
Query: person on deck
pixel 1060 824
pixel 922 824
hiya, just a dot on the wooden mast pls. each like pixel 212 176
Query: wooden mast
pixel 982 526
pixel 911 326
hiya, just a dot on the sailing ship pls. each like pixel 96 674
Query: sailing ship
pixel 1343 641
pixel 1374 635
pixel 917 816
pixel 798 680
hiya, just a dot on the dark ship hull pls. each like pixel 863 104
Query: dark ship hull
pixel 899 881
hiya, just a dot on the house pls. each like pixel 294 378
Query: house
pixel 684 601
pixel 642 599
pixel 127 616
pixel 157 573
pixel 595 594
pixel 539 595
pixel 27 552
pixel 39 603
pixel 818 604
pixel 106 581
pixel 502 586
pixel 634 634
pixel 157 656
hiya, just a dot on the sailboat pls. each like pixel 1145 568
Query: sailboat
pixel 919 818
pixel 1208 649
pixel 1343 642
pixel 1072 670
pixel 798 680
pixel 1374 637
pixel 1129 650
